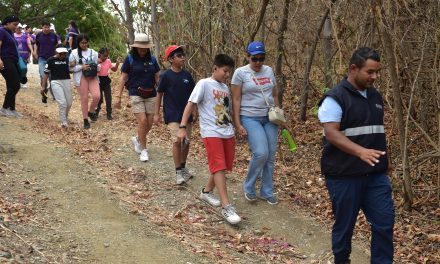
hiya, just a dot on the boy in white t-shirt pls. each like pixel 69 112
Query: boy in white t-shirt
pixel 212 97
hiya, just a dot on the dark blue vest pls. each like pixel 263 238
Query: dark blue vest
pixel 362 123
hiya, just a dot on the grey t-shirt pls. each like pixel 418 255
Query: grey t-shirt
pixel 252 84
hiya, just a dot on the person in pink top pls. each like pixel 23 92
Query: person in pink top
pixel 104 81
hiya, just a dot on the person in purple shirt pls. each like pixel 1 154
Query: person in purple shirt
pixel 23 42
pixel 73 32
pixel 46 42
pixel 8 65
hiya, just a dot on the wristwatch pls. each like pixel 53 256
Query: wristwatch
pixel 182 126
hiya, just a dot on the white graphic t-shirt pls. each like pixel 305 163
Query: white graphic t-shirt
pixel 214 105
pixel 252 83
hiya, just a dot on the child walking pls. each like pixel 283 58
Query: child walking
pixel 212 97
pixel 57 67
pixel 105 81
pixel 175 87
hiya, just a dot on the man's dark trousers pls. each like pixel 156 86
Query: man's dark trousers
pixel 373 194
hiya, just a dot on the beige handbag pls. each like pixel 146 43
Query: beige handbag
pixel 276 114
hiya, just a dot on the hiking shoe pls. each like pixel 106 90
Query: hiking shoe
pixel 271 200
pixel 86 124
pixel 210 198
pixel 5 112
pixel 186 174
pixel 250 197
pixel 93 116
pixel 179 177
pixel 15 113
pixel 144 155
pixel 109 117
pixel 230 214
pixel 137 145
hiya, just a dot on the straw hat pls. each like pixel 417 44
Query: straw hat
pixel 142 41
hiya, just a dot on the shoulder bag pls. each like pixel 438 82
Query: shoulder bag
pixel 276 114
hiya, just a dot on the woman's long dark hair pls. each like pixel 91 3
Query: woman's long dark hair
pixel 73 24
pixel 135 54
pixel 81 37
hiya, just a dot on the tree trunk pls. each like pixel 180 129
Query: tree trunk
pixel 226 31
pixel 306 85
pixel 155 27
pixel 260 20
pixel 327 51
pixel 129 21
pixel 387 43
pixel 280 48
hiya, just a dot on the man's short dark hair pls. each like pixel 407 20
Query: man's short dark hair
pixel 222 60
pixel 45 23
pixel 361 55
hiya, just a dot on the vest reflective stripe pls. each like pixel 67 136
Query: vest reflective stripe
pixel 364 130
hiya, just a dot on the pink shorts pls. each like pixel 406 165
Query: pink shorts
pixel 221 152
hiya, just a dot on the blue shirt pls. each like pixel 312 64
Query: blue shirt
pixel 140 73
pixel 9 48
pixel 176 87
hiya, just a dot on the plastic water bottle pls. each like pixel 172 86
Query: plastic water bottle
pixel 289 140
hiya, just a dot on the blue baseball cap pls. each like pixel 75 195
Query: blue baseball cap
pixel 255 48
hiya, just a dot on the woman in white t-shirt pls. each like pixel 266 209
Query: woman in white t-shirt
pixel 253 88
pixel 81 60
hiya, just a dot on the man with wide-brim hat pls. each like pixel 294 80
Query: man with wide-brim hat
pixel 140 74
pixel 142 41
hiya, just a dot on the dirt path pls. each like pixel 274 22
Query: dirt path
pixel 70 201
pixel 96 203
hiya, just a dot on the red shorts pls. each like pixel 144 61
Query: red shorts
pixel 221 152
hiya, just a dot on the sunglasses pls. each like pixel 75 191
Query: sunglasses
pixel 179 55
pixel 255 59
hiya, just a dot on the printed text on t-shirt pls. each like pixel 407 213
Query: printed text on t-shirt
pixel 261 80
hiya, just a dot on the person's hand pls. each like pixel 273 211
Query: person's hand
pixel 181 134
pixel 119 60
pixel 156 119
pixel 85 67
pixel 117 104
pixel 2 66
pixel 241 130
pixel 371 156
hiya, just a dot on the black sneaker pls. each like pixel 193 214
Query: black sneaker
pixel 109 117
pixel 44 96
pixel 93 116
pixel 86 124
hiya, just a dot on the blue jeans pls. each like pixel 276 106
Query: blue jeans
pixel 372 194
pixel 262 136
pixel 41 67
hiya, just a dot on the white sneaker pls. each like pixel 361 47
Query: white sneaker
pixel 137 145
pixel 210 198
pixel 186 174
pixel 179 177
pixel 4 111
pixel 230 214
pixel 144 155
pixel 15 113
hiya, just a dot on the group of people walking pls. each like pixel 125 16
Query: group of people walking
pixel 354 161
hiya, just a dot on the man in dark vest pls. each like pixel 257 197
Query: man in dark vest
pixel 354 161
